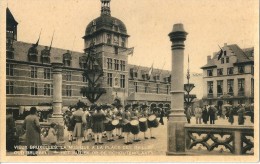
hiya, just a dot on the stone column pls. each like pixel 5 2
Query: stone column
pixel 57 100
pixel 177 118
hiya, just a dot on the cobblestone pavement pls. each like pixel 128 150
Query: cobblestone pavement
pixel 150 146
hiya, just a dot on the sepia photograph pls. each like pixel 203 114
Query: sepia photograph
pixel 129 80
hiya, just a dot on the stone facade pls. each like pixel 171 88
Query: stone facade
pixel 231 78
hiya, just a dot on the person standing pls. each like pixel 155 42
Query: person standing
pixel 144 114
pixel 79 118
pixel 205 115
pixel 188 114
pixel 198 114
pixel 135 116
pixel 126 117
pixel 52 135
pixel 231 115
pixel 161 113
pixel 33 132
pixel 211 115
pixel 108 126
pixel 241 115
pixel 98 128
pixel 85 125
pixel 119 114
pixel 10 131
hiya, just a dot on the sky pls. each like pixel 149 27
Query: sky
pixel 209 23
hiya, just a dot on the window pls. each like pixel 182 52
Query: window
pixel 68 91
pixel 123 42
pixel 146 88
pixel 136 86
pixel 122 81
pixel 109 79
pixel 252 69
pixel 34 89
pixel 9 87
pixel 122 65
pixel 241 69
pixel 108 38
pixel 33 72
pixel 220 71
pixel 157 88
pixel 225 53
pixel 9 69
pixel 47 90
pixel 210 87
pixel 47 73
pixel 66 62
pixel 210 72
pixel 109 63
pixel 220 87
pixel 230 86
pixel 116 50
pixel 68 76
pixel 168 89
pixel 241 86
pixel 252 87
pixel 222 60
pixel 116 64
pixel 230 70
pixel 227 59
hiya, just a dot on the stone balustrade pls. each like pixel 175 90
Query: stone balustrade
pixel 219 139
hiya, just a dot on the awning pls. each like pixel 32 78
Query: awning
pixel 39 108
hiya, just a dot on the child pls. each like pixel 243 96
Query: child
pixel 52 135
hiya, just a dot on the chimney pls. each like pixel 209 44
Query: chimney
pixel 208 58
pixel 225 45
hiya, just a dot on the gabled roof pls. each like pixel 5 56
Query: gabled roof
pixel 243 55
pixel 10 18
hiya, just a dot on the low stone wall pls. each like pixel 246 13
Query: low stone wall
pixel 219 139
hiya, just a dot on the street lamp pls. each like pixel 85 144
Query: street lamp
pixel 188 98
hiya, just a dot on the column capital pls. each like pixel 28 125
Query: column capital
pixel 57 66
pixel 178 36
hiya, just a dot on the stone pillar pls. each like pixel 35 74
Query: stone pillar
pixel 57 100
pixel 177 118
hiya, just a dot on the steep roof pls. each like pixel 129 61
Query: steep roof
pixel 10 18
pixel 21 52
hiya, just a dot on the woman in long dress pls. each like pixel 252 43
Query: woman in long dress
pixel 33 132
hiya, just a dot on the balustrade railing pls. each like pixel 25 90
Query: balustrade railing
pixel 219 140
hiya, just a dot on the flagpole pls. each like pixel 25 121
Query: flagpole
pixel 51 40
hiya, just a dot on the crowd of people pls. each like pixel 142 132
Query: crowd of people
pixel 111 122
pixel 211 113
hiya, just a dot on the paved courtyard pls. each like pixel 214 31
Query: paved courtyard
pixel 156 146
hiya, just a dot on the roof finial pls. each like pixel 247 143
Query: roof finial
pixel 105 7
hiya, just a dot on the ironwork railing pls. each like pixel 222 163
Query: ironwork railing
pixel 219 140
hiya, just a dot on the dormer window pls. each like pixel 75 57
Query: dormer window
pixel 45 55
pixel 133 73
pixel 33 54
pixel 210 72
pixel 67 59
pixel 82 62
pixel 241 69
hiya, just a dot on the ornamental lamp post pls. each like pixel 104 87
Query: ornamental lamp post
pixel 188 98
